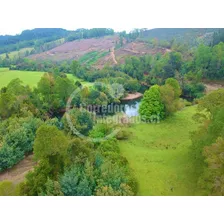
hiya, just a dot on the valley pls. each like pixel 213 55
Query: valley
pixel 58 137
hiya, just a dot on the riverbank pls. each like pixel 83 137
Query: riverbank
pixel 132 96
pixel 213 87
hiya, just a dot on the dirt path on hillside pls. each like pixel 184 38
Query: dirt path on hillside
pixel 18 172
pixel 113 56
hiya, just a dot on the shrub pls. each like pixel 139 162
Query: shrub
pixel 123 134
pixel 100 131
pixel 17 141
pixel 81 120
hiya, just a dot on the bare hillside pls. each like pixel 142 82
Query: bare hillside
pixel 98 51
pixel 130 49
pixel 78 48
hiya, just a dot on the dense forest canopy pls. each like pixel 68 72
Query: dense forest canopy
pixel 187 35
pixel 37 33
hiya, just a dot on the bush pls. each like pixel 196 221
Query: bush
pixel 77 182
pixel 194 90
pixel 132 85
pixel 186 103
pixel 123 134
pixel 17 141
pixel 100 131
pixel 49 142
pixel 175 86
pixel 9 157
pixel 81 120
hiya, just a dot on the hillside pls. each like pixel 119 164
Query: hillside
pixel 76 49
pixel 100 46
pixel 109 50
pixel 190 36
pixel 22 52
pixel 162 162
pixel 135 48
pixel 43 39
pixel 97 51
pixel 31 38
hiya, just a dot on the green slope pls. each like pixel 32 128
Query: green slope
pixel 159 155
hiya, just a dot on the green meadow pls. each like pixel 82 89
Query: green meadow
pixel 159 155
pixel 27 77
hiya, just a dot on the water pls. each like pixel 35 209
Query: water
pixel 131 107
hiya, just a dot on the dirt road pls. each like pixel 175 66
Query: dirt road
pixel 113 56
pixel 18 172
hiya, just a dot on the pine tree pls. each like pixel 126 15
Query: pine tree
pixel 151 107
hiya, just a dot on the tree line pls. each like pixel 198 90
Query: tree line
pixel 89 33
pixel 40 38
pixel 30 38
pixel 208 144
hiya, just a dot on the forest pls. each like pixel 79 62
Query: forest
pixel 34 120
pixel 36 38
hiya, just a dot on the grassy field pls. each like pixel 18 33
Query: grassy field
pixel 28 77
pixel 15 53
pixel 84 83
pixel 159 155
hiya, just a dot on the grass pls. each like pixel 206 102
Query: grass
pixel 15 53
pixel 84 83
pixel 28 77
pixel 160 157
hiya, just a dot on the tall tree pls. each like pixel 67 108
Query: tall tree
pixel 49 142
pixel 151 105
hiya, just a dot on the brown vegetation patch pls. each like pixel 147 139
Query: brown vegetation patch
pixel 212 87
pixel 136 48
pixel 76 49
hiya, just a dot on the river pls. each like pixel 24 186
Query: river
pixel 131 107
